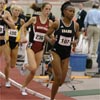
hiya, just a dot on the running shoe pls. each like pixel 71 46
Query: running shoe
pixel 23 92
pixel 8 84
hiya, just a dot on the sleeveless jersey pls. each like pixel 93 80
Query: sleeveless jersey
pixel 39 32
pixel 14 34
pixel 2 26
pixel 64 35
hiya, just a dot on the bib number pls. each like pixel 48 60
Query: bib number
pixel 13 33
pixel 65 41
pixel 39 37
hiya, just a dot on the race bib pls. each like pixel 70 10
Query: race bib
pixel 39 37
pixel 12 33
pixel 65 41
pixel 1 29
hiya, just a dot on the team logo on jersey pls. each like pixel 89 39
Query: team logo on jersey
pixel 43 28
pixel 62 26
pixel 66 31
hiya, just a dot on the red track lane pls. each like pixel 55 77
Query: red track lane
pixel 14 93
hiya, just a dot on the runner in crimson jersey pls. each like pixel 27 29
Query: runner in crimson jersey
pixel 40 25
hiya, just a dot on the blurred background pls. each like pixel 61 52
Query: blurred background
pixel 25 4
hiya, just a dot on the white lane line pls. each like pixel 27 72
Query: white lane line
pixel 16 84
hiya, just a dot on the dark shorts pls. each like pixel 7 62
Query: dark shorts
pixel 12 44
pixel 62 53
pixel 36 47
pixel 2 42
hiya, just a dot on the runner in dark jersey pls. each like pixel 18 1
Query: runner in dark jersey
pixel 40 26
pixel 13 39
pixel 5 22
pixel 66 33
pixel 62 45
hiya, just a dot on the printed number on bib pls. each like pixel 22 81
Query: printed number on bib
pixel 65 41
pixel 13 33
pixel 1 29
pixel 39 37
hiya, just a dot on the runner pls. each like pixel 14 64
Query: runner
pixel 65 31
pixel 5 22
pixel 41 24
pixel 13 40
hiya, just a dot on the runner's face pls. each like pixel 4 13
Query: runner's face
pixel 2 4
pixel 46 10
pixel 16 12
pixel 69 12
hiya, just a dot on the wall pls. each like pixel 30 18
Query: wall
pixel 55 8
